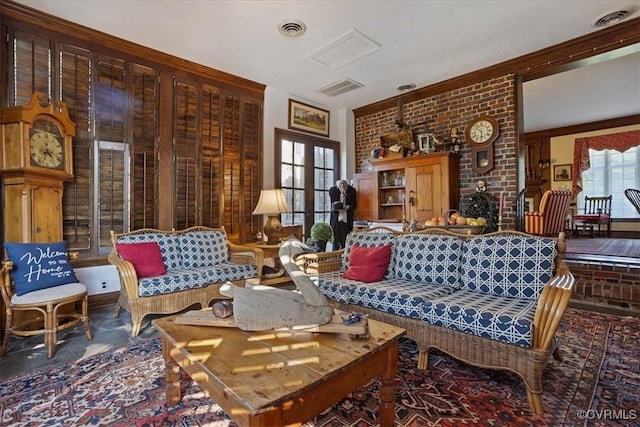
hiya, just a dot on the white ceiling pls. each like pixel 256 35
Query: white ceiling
pixel 421 42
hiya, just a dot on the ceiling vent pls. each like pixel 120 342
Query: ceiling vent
pixel 346 49
pixel 340 87
pixel 610 18
pixel 292 28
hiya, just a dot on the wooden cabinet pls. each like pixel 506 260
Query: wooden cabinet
pixel 366 186
pixel 33 211
pixel 419 188
pixel 537 166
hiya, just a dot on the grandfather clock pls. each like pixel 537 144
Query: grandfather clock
pixel 35 160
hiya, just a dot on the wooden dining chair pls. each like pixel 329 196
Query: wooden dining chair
pixel 596 212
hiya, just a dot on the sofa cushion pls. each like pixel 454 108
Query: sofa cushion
pixel 39 266
pixel 398 296
pixel 592 218
pixel 368 240
pixel 169 246
pixel 203 248
pixel 334 286
pixel 496 317
pixel 508 265
pixel 180 280
pixel 429 258
pixel 145 257
pixel 368 264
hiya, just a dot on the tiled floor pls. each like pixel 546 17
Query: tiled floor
pixel 109 332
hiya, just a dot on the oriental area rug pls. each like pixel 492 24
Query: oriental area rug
pixel 597 383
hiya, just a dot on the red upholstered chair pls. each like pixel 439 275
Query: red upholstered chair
pixel 549 219
pixel 597 211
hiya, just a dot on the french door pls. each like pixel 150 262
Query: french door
pixel 305 168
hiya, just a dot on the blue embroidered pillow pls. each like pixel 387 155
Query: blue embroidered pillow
pixel 39 266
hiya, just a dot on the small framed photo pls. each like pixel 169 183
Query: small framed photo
pixel 308 119
pixel 426 143
pixel 562 172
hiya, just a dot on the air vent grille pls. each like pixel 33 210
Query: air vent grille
pixel 611 18
pixel 340 87
pixel 292 28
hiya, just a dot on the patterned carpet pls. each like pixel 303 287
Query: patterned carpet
pixel 599 374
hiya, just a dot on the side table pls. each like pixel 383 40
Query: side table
pixel 271 251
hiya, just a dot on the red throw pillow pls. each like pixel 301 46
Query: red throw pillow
pixel 145 257
pixel 368 264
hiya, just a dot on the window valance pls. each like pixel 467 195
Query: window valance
pixel 621 142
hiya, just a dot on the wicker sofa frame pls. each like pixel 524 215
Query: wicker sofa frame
pixel 526 362
pixel 173 302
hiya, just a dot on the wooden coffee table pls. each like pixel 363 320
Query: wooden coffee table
pixel 277 378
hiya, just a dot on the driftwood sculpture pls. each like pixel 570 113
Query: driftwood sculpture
pixel 264 307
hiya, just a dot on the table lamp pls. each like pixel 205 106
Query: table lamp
pixel 272 203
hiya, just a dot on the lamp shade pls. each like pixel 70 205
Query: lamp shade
pixel 271 202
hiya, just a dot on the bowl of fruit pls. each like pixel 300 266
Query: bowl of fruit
pixel 455 222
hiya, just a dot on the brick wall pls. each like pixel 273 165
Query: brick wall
pixel 456 108
pixel 607 285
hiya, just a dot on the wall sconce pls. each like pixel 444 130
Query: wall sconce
pixel 544 163
pixel 272 203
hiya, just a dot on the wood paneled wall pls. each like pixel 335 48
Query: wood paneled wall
pixel 193 134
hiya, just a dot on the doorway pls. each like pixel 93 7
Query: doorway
pixel 305 168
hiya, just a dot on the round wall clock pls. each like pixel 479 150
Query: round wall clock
pixel 46 145
pixel 481 134
pixel 482 130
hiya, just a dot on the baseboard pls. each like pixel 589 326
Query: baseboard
pixel 100 300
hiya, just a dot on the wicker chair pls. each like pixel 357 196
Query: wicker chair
pixel 549 219
pixel 634 197
pixel 51 304
pixel 597 211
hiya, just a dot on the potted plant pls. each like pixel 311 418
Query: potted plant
pixel 321 233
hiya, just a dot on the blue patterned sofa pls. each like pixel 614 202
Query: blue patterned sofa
pixel 164 272
pixel 492 300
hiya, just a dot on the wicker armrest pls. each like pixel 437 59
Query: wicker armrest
pixel 551 306
pixel 246 255
pixel 320 262
pixel 128 276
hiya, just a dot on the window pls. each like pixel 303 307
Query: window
pixel 612 172
pixel 308 168
pixel 111 192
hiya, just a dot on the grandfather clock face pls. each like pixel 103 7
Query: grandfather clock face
pixel 46 145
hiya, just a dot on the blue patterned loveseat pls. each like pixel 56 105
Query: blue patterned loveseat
pixel 163 272
pixel 492 300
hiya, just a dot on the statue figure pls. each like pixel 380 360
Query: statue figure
pixel 264 307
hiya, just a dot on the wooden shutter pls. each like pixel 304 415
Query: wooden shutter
pixel 186 155
pixel 144 120
pixel 210 137
pixel 77 203
pixel 231 166
pixel 251 165
pixel 32 58
pixel 112 191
